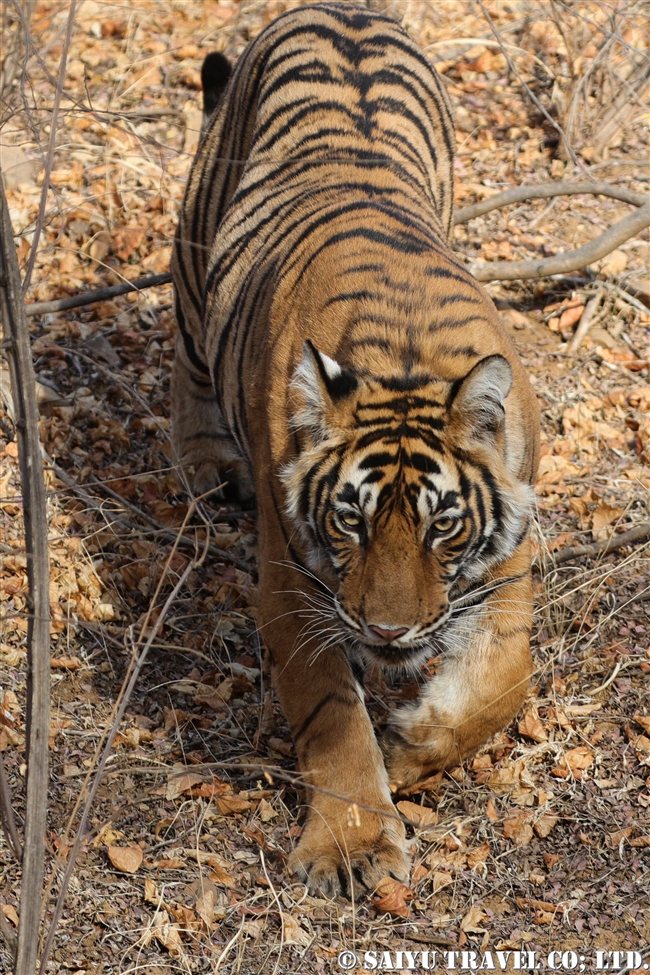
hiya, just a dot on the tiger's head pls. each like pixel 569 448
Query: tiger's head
pixel 403 495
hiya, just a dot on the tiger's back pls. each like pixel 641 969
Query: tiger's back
pixel 318 210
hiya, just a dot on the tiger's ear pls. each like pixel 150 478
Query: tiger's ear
pixel 324 384
pixel 478 398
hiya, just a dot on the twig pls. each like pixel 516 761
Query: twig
pixel 102 294
pixel 23 385
pixel 636 534
pixel 183 540
pixel 7 933
pixel 610 680
pixel 602 245
pixel 49 160
pixel 586 320
pixel 7 813
pixel 127 690
pixel 531 94
pixel 517 194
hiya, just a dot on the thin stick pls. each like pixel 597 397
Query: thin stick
pixel 136 668
pixel 102 294
pixel 8 820
pixel 23 386
pixel 49 160
pixel 586 320
pixel 636 534
pixel 631 225
pixel 518 194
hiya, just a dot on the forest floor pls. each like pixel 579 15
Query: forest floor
pixel 542 841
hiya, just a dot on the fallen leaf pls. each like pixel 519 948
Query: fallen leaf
pixel 418 815
pixel 545 824
pixel 126 859
pixel 531 726
pixel 441 879
pixel 644 721
pixel 471 921
pixel 478 856
pixel 294 933
pixel 266 811
pixel 65 663
pixel 10 913
pixel 177 783
pixel 151 894
pixel 574 762
pixel 231 805
pixel 603 516
pixel 205 907
pixel 167 934
pixel 392 896
pixel 518 829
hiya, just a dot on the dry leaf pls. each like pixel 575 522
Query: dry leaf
pixel 644 721
pixel 167 934
pixel 205 907
pixel 231 805
pixel 10 913
pixel 126 859
pixel 266 811
pixel 603 516
pixel 531 726
pixel 478 856
pixel 418 815
pixel 491 811
pixel 221 876
pixel 472 919
pixel 65 663
pixel 441 879
pixel 545 824
pixel 518 829
pixel 574 762
pixel 392 896
pixel 151 894
pixel 177 783
pixel 294 933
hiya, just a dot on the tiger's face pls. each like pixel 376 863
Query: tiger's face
pixel 403 496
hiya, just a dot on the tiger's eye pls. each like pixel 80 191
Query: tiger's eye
pixel 443 525
pixel 350 519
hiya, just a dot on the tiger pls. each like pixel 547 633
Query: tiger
pixel 337 362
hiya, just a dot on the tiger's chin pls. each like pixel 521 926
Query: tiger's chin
pixel 392 656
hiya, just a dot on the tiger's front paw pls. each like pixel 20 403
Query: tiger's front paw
pixel 337 860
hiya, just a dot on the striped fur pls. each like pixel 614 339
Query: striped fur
pixel 338 361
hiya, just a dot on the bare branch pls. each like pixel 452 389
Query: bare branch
pixel 636 534
pixel 50 149
pixel 518 194
pixel 23 383
pixel 101 294
pixel 587 319
pixel 631 225
pixel 6 810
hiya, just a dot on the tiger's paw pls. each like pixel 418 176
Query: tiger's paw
pixel 407 763
pixel 353 861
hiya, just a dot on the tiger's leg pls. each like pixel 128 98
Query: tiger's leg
pixel 202 443
pixel 347 840
pixel 480 686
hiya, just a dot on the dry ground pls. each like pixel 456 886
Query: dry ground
pixel 543 840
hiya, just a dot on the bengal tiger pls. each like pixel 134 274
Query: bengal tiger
pixel 339 362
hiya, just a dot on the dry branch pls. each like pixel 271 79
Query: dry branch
pixel 602 245
pixel 101 294
pixel 636 534
pixel 23 384
pixel 49 160
pixel 587 319
pixel 519 194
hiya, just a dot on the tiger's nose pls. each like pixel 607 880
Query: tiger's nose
pixel 387 634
